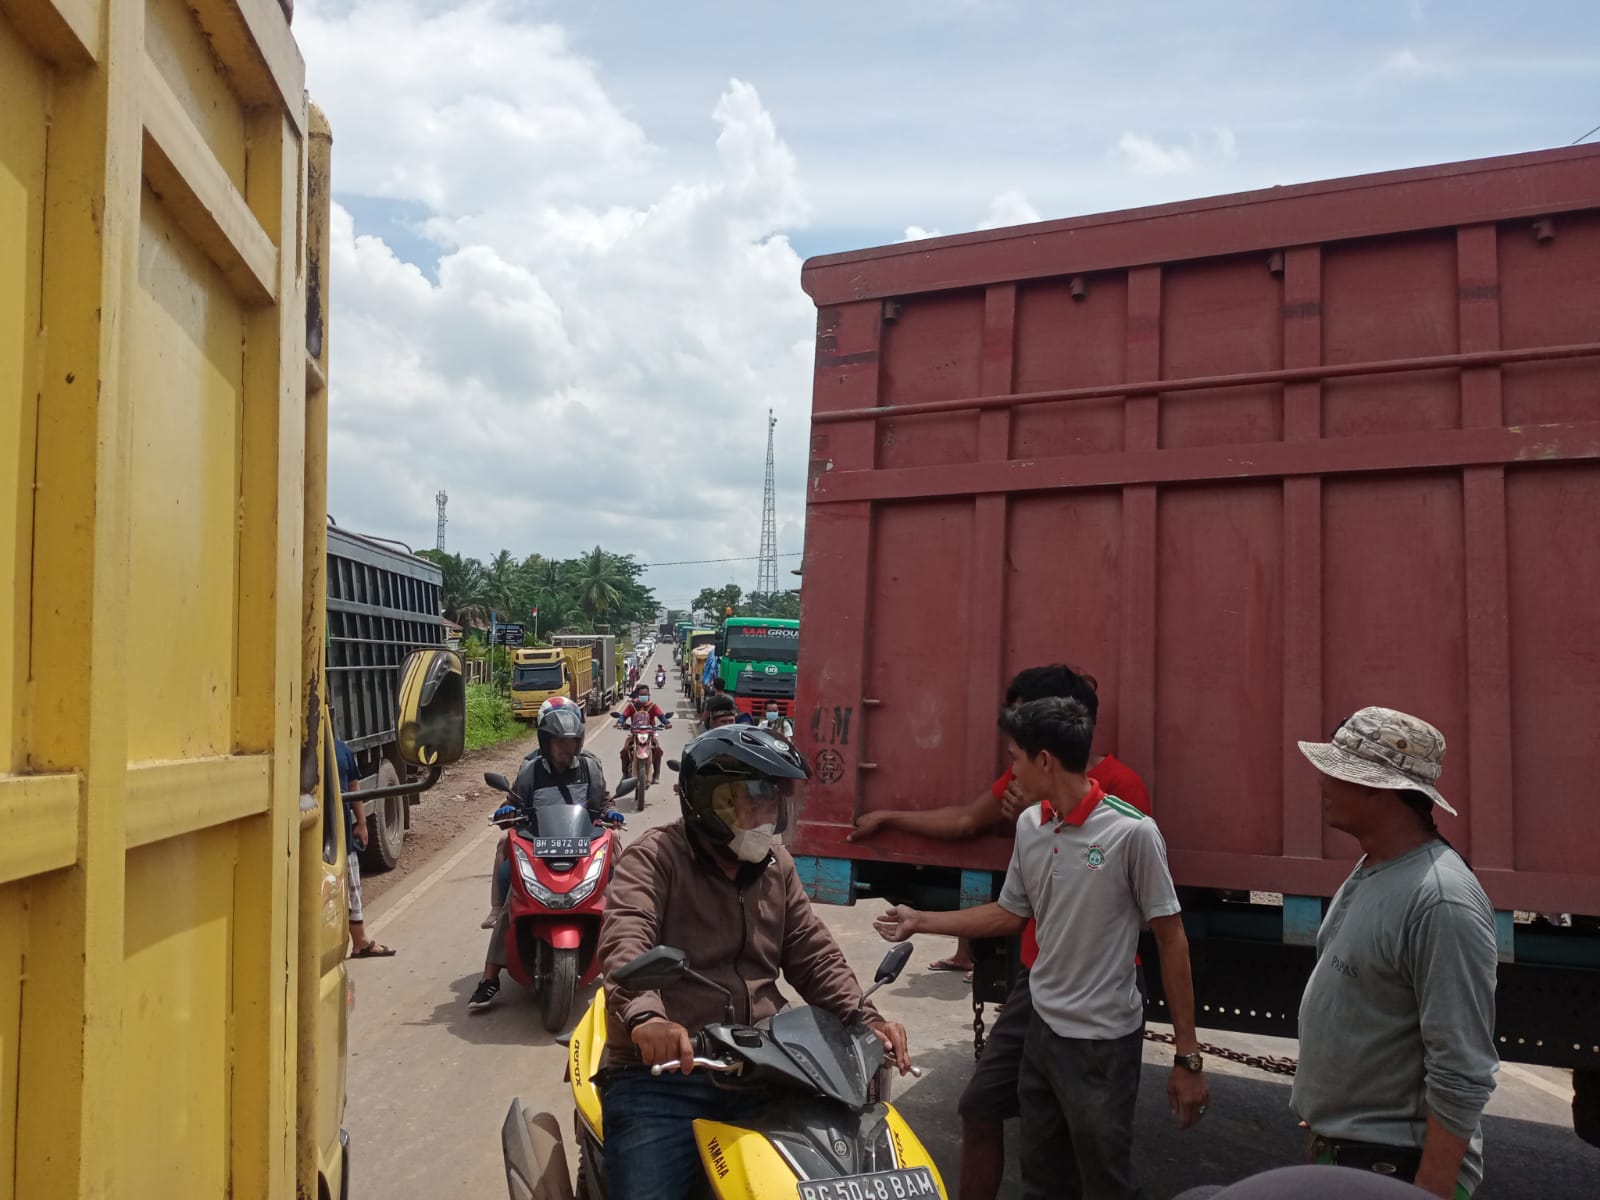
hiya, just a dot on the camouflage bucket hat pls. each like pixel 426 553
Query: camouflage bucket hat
pixel 1383 748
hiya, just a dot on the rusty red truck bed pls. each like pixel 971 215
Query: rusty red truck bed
pixel 1253 462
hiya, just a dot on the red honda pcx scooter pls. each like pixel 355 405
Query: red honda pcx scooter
pixel 561 861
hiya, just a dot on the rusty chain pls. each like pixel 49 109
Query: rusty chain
pixel 977 1025
pixel 1261 1062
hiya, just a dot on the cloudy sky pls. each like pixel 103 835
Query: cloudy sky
pixel 568 236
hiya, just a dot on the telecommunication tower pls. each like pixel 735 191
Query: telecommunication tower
pixel 767 573
pixel 441 499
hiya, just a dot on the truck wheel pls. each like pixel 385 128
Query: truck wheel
pixel 1586 1104
pixel 386 825
pixel 555 997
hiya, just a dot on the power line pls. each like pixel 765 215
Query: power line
pixel 697 562
pixel 1591 133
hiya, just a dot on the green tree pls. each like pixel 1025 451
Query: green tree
pixel 499 586
pixel 716 601
pixel 599 584
pixel 463 592
pixel 774 604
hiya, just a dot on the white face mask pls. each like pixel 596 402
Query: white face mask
pixel 753 845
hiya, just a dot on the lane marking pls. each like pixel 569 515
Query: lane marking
pixel 474 845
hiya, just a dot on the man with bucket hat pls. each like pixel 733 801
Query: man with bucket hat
pixel 1397 1056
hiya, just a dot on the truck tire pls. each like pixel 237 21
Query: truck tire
pixel 1586 1104
pixel 386 825
pixel 559 988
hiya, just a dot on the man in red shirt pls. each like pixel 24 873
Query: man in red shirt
pixel 991 1095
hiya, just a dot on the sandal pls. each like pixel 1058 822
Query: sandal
pixel 949 964
pixel 374 950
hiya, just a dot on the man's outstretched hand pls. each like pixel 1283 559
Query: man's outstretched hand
pixel 869 824
pixel 894 1040
pixel 664 1043
pixel 897 924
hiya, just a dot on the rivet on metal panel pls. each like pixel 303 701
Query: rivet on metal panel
pixel 866 766
pixel 868 702
pixel 1078 287
pixel 1275 262
pixel 891 310
pixel 1544 230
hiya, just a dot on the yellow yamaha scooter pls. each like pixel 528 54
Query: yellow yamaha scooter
pixel 826 1133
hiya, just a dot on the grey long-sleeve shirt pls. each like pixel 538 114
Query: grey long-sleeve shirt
pixel 1397 1020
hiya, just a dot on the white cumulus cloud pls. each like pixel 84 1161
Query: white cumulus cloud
pixel 1146 156
pixel 1009 208
pixel 591 353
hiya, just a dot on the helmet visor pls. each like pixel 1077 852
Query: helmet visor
pixel 751 803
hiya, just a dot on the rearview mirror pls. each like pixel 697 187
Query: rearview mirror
pixel 893 963
pixel 626 787
pixel 653 969
pixel 497 782
pixel 431 719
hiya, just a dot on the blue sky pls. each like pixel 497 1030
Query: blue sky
pixel 623 192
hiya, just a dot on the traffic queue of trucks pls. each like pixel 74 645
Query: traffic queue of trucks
pixel 173 903
pixel 1253 463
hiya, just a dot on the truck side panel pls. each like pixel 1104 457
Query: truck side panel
pixel 1252 462
pixel 152 476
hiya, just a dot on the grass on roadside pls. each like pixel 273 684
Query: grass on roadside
pixel 489 719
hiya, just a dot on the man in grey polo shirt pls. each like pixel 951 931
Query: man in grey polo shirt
pixel 1397 1056
pixel 1091 869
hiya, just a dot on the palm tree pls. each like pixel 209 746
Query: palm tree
pixel 499 585
pixel 599 583
pixel 463 587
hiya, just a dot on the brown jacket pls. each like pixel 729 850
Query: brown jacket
pixel 668 892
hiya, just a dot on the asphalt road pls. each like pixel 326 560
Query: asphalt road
pixel 429 1083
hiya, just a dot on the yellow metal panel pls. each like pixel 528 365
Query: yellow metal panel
pixel 181 169
pixel 168 799
pixel 187 330
pixel 65 31
pixel 253 41
pixel 153 519
pixel 39 814
pixel 70 1102
pixel 176 1033
pixel 22 149
pixel 13 944
pixel 180 54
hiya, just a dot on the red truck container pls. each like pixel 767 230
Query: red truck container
pixel 1253 462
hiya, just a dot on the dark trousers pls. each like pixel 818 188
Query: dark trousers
pixel 1078 1098
pixel 991 1093
pixel 650 1149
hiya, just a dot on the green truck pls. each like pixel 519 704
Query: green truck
pixel 756 658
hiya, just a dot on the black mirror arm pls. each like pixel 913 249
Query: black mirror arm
pixel 401 789
pixel 728 1015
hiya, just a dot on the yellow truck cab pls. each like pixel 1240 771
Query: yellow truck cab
pixel 544 671
pixel 173 896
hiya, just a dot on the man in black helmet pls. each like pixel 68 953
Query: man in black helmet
pixel 560 771
pixel 720 886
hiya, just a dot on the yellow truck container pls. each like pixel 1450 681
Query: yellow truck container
pixel 172 875
pixel 540 672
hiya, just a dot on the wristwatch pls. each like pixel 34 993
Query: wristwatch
pixel 1192 1061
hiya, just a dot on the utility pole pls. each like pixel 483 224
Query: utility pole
pixel 767 572
pixel 441 499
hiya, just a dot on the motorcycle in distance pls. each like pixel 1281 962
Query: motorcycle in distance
pixel 639 762
pixel 661 676
pixel 826 1130
pixel 560 864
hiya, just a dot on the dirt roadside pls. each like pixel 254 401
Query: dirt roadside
pixel 458 801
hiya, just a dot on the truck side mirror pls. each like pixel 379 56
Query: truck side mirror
pixel 431 720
